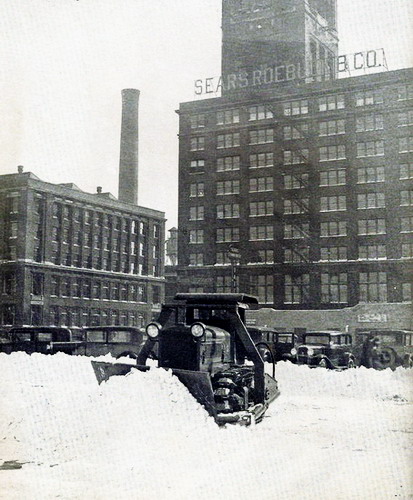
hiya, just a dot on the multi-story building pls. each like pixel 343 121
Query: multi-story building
pixel 303 187
pixel 72 258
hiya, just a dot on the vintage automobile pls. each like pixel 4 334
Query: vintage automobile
pixel 202 339
pixel 326 349
pixel 274 345
pixel 32 339
pixel 395 347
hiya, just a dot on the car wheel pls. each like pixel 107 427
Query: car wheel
pixel 408 362
pixel 131 355
pixel 351 363
pixel 323 363
pixel 388 358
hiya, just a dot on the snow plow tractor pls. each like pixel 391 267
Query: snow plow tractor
pixel 203 340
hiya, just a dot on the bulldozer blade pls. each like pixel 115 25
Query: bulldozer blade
pixel 200 387
pixel 271 389
pixel 103 371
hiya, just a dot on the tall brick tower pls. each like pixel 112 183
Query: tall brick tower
pixel 261 34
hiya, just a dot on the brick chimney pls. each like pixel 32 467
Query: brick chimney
pixel 128 164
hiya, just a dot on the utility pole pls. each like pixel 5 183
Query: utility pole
pixel 234 257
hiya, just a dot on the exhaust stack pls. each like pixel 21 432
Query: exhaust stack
pixel 129 139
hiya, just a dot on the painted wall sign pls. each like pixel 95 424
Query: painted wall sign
pixel 372 318
pixel 345 65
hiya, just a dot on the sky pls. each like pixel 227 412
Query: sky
pixel 65 62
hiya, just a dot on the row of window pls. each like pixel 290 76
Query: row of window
pixel 365 227
pixel 301 254
pixel 300 107
pixel 333 288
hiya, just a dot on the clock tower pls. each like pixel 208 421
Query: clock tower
pixel 262 34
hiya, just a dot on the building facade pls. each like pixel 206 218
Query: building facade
pixel 70 258
pixel 311 184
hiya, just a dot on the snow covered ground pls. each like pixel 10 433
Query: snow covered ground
pixel 342 435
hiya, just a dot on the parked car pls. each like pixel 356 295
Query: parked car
pixel 272 344
pixel 32 339
pixel 327 349
pixel 395 347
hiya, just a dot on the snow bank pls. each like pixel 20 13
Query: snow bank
pixel 342 434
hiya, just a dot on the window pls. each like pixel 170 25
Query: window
pixel 115 291
pixel 333 228
pixel 13 202
pixel 228 234
pixel 370 200
pixel 261 233
pixel 228 163
pixel 197 143
pixel 263 257
pixel 297 289
pixel 196 236
pixel 262 286
pixel 224 284
pixel 406 292
pixel 330 254
pixel 296 206
pixel 296 231
pixel 222 258
pixel 373 287
pixel 332 127
pixel 196 190
pixel 197 121
pixel 228 140
pixel 406 224
pixel 228 187
pixel 371 226
pixel 37 284
pixel 333 177
pixel 367 175
pixel 334 288
pixel 259 208
pixel 295 157
pixel 196 259
pixel 8 313
pixel 9 284
pixel 405 92
pixel 14 227
pixel 261 184
pixel 406 198
pixel 228 116
pixel 196 213
pixel 294 255
pixel 228 211
pixel 76 287
pixel 406 171
pixel 262 136
pixel 331 102
pixel 259 113
pixel 87 288
pixel 261 160
pixel 335 152
pixel 369 97
pixel 405 144
pixel 406 118
pixel 372 252
pixel 197 164
pixel 296 131
pixel 332 203
pixel 370 148
pixel 367 123
pixel 296 181
pixel 295 108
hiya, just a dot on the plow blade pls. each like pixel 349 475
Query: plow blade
pixel 103 371
pixel 271 389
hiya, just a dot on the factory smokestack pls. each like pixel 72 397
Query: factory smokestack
pixel 129 138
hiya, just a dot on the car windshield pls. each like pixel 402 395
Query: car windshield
pixel 285 338
pixel 96 336
pixel 317 339
pixel 22 336
pixel 44 337
pixel 120 336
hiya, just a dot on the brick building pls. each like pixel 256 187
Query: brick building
pixel 307 180
pixel 72 258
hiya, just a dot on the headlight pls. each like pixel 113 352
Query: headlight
pixel 310 351
pixel 293 351
pixel 152 330
pixel 197 330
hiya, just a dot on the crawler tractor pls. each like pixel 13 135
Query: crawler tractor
pixel 203 339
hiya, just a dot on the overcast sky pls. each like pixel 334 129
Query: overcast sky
pixel 63 64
